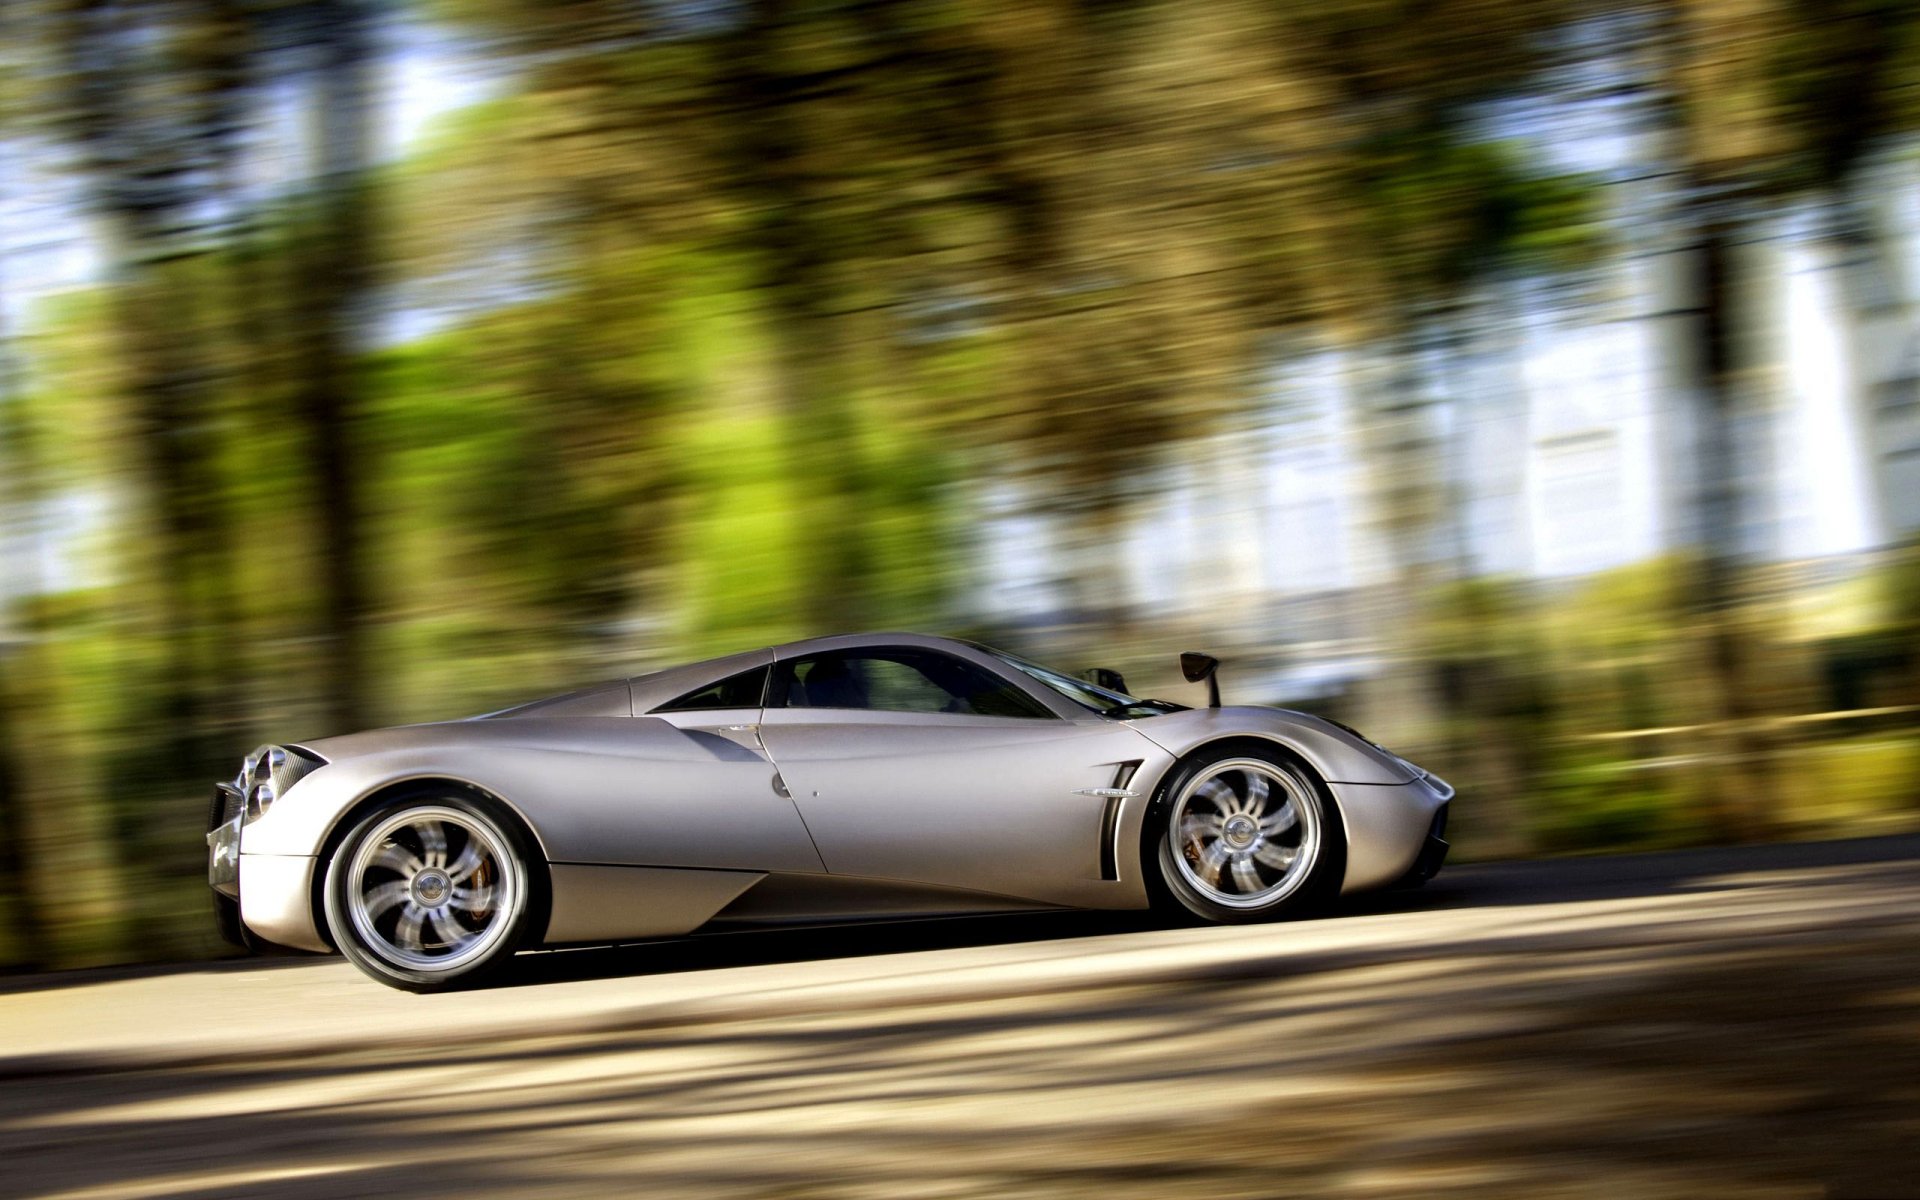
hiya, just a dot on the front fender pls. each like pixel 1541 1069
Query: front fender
pixel 1336 754
pixel 1386 804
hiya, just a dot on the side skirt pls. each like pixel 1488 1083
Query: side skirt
pixel 822 899
pixel 598 903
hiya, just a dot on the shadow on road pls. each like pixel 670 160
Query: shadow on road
pixel 759 947
pixel 1482 1064
pixel 1623 876
pixel 1546 881
pixel 1482 885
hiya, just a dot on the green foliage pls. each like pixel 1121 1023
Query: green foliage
pixel 1610 805
pixel 717 317
pixel 1446 210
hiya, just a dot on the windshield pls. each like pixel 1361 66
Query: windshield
pixel 1105 701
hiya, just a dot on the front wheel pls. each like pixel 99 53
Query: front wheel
pixel 429 893
pixel 1247 835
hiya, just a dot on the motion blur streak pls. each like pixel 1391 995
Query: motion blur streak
pixel 1534 384
pixel 1626 1026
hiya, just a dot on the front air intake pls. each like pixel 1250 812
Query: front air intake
pixel 227 802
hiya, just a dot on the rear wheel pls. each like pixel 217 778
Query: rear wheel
pixel 429 893
pixel 1247 835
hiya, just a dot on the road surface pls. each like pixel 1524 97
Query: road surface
pixel 1739 1022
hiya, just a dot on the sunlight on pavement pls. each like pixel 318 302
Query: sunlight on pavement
pixel 1655 1044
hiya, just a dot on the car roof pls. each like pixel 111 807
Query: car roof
pixel 850 641
pixel 652 690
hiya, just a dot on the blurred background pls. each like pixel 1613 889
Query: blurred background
pixel 1534 384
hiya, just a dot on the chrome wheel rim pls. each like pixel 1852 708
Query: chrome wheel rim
pixel 432 888
pixel 1245 833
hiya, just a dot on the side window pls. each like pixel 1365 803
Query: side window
pixel 902 680
pixel 744 690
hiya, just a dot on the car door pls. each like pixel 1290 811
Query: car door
pixel 719 802
pixel 908 763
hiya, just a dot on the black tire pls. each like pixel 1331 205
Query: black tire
pixel 363 877
pixel 1177 865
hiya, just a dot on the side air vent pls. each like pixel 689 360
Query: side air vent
pixel 1110 821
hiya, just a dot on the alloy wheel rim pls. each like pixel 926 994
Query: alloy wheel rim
pixel 432 888
pixel 1245 833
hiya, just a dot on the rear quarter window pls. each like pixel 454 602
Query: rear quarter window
pixel 746 690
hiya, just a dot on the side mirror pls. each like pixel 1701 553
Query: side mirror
pixel 1106 678
pixel 1197 666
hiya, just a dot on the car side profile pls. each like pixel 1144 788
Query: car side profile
pixel 842 778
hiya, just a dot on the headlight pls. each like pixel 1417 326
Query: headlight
pixel 269 772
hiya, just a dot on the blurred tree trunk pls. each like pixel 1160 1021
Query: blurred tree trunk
pixel 150 94
pixel 1716 174
pixel 1396 401
pixel 1743 795
pixel 1761 101
pixel 225 60
pixel 133 162
pixel 824 440
pixel 18 888
pixel 27 927
pixel 789 237
pixel 1904 581
pixel 336 278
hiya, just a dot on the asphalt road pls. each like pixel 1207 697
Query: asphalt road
pixel 1740 1022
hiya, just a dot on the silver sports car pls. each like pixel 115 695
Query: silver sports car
pixel 867 776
